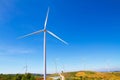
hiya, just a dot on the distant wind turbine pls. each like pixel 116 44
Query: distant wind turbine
pixel 56 67
pixel 44 43
pixel 26 69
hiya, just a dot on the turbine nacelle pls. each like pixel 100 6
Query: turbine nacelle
pixel 45 30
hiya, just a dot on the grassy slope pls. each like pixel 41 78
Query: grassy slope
pixel 90 75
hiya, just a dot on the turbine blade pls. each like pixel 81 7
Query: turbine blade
pixel 46 19
pixel 57 37
pixel 30 34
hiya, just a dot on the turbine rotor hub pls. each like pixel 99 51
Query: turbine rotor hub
pixel 45 30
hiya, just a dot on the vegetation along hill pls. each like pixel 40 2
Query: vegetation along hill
pixel 91 75
pixel 78 75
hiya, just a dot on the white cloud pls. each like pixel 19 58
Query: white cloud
pixel 5 50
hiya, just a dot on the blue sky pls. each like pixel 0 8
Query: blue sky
pixel 91 27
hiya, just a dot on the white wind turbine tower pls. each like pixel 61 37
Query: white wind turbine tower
pixel 44 43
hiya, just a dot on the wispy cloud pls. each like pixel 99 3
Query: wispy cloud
pixel 10 50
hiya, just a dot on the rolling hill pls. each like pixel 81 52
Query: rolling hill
pixel 91 75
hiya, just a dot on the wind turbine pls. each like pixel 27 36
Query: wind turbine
pixel 44 40
pixel 26 69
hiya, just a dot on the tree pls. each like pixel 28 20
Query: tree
pixel 18 77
